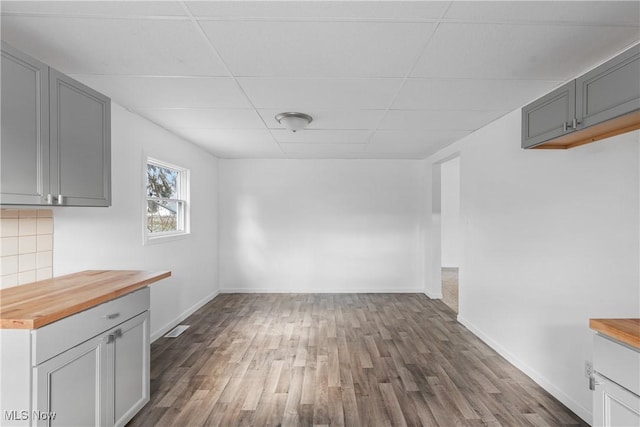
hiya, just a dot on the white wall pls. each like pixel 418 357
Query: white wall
pixel 450 212
pixel 550 240
pixel 321 225
pixel 111 238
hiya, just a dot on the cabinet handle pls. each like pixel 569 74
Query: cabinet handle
pixel 575 123
pixel 60 199
pixel 49 199
pixel 118 333
pixel 111 338
pixel 565 126
pixel 111 316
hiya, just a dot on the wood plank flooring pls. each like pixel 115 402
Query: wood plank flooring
pixel 339 360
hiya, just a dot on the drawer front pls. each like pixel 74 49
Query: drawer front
pixel 618 362
pixel 53 339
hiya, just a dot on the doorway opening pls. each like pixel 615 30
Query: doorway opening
pixel 450 231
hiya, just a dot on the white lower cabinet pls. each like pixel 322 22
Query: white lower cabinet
pixel 88 369
pixel 616 384
pixel 615 406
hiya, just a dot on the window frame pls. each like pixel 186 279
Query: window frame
pixel 182 199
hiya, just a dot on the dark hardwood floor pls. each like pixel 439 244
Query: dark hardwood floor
pixel 345 359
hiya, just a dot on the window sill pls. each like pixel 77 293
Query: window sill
pixel 153 240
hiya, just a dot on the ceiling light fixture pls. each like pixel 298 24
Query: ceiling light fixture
pixel 294 121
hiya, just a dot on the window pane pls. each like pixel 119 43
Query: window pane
pixel 162 182
pixel 163 216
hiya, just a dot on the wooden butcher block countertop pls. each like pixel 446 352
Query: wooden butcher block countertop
pixel 37 304
pixel 623 330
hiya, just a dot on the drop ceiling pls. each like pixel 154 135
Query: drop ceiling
pixel 381 79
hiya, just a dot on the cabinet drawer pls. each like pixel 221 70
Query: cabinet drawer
pixel 59 336
pixel 618 362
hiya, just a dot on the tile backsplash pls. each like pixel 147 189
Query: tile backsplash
pixel 26 249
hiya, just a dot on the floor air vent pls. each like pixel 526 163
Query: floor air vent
pixel 175 332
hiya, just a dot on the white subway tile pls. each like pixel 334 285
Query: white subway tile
pixel 8 246
pixel 9 213
pixel 44 273
pixel 26 262
pixel 44 259
pixel 45 225
pixel 9 265
pixel 8 281
pixel 27 244
pixel 8 227
pixel 27 226
pixel 26 277
pixel 45 213
pixel 44 242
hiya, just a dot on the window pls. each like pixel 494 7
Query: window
pixel 167 188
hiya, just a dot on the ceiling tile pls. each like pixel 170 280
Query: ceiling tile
pixel 113 46
pixel 438 138
pixel 231 141
pixel 175 92
pixel 322 148
pixel 604 12
pixel 322 136
pixel 463 94
pixel 203 118
pixel 282 93
pixel 386 10
pixel 403 150
pixel 317 49
pixel 329 119
pixel 97 8
pixel 438 119
pixel 489 51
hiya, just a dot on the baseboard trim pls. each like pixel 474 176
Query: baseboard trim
pixel 542 381
pixel 320 291
pixel 188 312
pixel 437 295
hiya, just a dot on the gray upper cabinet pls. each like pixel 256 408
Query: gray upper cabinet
pixel 550 116
pixel 56 137
pixel 610 90
pixel 24 148
pixel 603 102
pixel 80 143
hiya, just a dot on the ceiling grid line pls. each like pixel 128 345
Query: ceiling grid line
pixel 217 54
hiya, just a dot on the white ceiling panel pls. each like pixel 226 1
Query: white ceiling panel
pixel 438 119
pixel 343 62
pixel 282 93
pixel 169 92
pixel 317 49
pixel 379 10
pixel 226 139
pixel 203 118
pixel 322 148
pixel 431 137
pixel 401 150
pixel 96 8
pixel 113 46
pixel 329 119
pixel 312 136
pixel 518 51
pixel 231 142
pixel 463 94
pixel 601 12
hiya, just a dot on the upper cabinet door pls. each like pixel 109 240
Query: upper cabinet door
pixel 80 143
pixel 25 129
pixel 610 90
pixel 549 117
